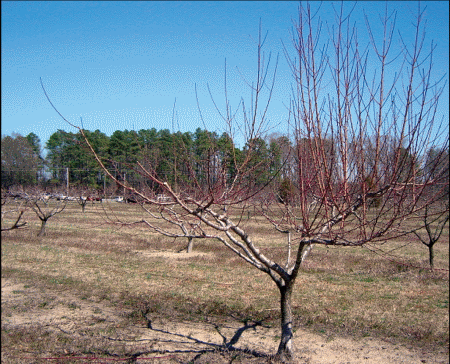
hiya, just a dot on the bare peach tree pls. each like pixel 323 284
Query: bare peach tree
pixel 432 220
pixel 45 208
pixel 83 196
pixel 434 225
pixel 13 204
pixel 360 130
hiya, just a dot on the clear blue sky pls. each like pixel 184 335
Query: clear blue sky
pixel 120 65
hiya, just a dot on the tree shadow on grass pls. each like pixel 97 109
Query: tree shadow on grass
pixel 225 350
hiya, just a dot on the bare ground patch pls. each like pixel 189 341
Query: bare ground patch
pixel 38 323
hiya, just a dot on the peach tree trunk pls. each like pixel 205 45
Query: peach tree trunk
pixel 286 348
pixel 190 245
pixel 43 225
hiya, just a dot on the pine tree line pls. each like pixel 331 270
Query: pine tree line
pixel 200 158
pixel 176 157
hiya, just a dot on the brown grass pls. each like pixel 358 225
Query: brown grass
pixel 340 292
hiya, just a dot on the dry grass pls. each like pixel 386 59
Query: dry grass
pixel 340 291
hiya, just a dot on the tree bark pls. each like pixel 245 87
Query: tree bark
pixel 285 349
pixel 190 245
pixel 431 255
pixel 42 231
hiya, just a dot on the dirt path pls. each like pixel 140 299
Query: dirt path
pixel 25 307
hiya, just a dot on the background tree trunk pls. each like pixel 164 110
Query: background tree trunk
pixel 42 231
pixel 431 255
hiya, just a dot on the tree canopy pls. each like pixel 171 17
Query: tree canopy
pixel 21 159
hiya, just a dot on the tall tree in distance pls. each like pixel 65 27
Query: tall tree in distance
pixel 20 162
pixel 35 143
pixel 61 151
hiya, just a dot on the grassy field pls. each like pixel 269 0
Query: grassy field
pixel 131 277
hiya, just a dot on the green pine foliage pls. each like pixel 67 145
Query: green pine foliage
pixel 184 160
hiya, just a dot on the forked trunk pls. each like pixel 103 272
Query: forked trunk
pixel 286 348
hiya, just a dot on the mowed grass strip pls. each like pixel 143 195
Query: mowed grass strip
pixel 340 291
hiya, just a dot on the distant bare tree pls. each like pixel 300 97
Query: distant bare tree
pixel 434 226
pixel 339 106
pixel 83 196
pixel 8 208
pixel 45 209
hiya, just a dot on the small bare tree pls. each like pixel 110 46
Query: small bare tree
pixel 82 200
pixel 434 217
pixel 359 132
pixel 83 196
pixel 434 226
pixel 44 210
pixel 16 209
